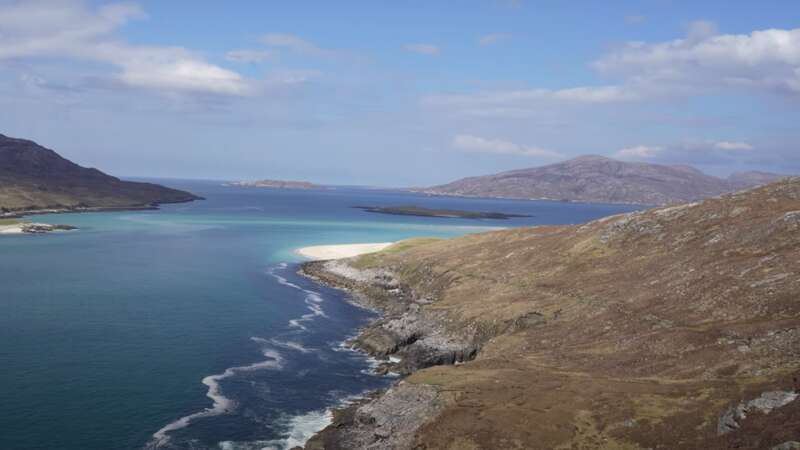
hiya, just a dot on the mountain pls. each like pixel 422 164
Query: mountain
pixel 744 180
pixel 602 179
pixel 35 178
pixel 672 328
pixel 276 184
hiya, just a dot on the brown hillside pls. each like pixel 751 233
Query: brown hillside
pixel 634 331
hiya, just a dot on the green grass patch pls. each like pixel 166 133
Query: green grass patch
pixel 10 221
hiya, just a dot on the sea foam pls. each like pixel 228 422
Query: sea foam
pixel 221 403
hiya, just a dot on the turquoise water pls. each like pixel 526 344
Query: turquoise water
pixel 107 333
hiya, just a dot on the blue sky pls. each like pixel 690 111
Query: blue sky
pixel 401 93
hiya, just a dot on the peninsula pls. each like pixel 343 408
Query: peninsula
pixel 676 327
pixel 34 179
pixel 441 213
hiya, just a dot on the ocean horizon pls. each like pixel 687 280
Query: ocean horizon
pixel 189 327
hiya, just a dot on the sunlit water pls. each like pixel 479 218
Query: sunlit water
pixel 188 327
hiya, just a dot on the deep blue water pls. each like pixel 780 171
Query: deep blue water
pixel 108 333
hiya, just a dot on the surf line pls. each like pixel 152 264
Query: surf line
pixel 312 299
pixel 222 404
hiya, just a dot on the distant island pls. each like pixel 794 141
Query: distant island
pixel 601 179
pixel 276 184
pixel 442 213
pixel 34 179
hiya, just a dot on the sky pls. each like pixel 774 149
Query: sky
pixel 402 93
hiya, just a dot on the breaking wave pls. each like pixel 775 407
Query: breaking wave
pixel 221 403
pixel 312 299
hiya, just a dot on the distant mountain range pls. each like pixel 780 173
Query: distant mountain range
pixel 602 179
pixel 34 178
pixel 276 184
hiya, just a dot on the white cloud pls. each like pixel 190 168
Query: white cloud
pixel 519 102
pixel 493 38
pixel 469 143
pixel 638 152
pixel 698 152
pixel 704 60
pixel 67 29
pixel 423 49
pixel 250 56
pixel 733 146
pixel 700 63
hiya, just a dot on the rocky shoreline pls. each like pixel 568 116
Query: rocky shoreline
pixel 34 228
pixel 407 337
pixel 672 328
pixel 20 213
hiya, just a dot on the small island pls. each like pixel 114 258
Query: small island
pixel 276 184
pixel 13 226
pixel 440 213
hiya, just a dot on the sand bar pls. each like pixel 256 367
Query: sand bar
pixel 341 251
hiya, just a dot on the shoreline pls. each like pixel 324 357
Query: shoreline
pixel 19 214
pixel 33 228
pixel 340 251
pixel 405 338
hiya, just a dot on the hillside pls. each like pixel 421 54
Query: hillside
pixel 601 179
pixel 672 328
pixel 35 178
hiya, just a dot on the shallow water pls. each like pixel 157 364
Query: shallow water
pixel 190 323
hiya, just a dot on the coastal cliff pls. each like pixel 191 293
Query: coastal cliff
pixel 672 328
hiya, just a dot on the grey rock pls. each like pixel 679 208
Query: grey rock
pixel 764 403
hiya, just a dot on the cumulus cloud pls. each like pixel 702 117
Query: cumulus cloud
pixel 493 38
pixel 697 152
pixel 519 102
pixel 423 49
pixel 638 152
pixel 469 143
pixel 70 30
pixel 702 62
pixel 705 60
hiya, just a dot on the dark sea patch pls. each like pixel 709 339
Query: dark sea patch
pixel 283 399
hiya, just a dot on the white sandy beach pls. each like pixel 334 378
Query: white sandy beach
pixel 341 251
pixel 11 229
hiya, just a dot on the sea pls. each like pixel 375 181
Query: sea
pixel 189 327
